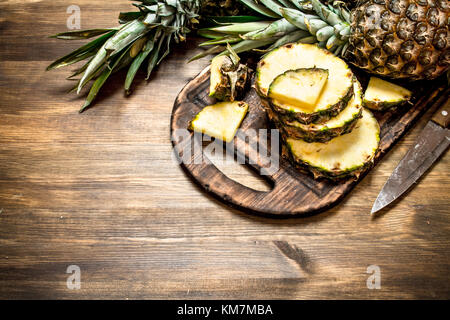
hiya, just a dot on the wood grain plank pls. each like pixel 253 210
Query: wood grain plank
pixel 101 189
pixel 198 269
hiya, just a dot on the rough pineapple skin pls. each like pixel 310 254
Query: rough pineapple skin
pixel 223 90
pixel 383 106
pixel 318 173
pixel 324 135
pixel 401 38
pixel 332 174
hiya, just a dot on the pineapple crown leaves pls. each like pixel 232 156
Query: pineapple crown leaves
pixel 142 36
pixel 306 21
pixel 145 36
pixel 170 15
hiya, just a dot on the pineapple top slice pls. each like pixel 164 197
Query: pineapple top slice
pixel 352 110
pixel 300 88
pixel 381 93
pixel 221 120
pixel 299 55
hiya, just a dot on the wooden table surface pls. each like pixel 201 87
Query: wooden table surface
pixel 100 190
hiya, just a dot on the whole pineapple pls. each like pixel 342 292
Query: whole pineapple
pixel 401 38
pixel 392 38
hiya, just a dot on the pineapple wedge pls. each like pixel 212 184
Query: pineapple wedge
pixel 346 155
pixel 343 123
pixel 381 95
pixel 221 120
pixel 300 88
pixel 216 75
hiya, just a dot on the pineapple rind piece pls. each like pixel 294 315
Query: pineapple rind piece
pixel 221 81
pixel 300 88
pixel 381 95
pixel 216 77
pixel 344 156
pixel 343 123
pixel 336 94
pixel 221 120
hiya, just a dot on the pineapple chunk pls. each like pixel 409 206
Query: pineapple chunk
pixel 381 94
pixel 220 120
pixel 300 88
pixel 228 78
pixel 216 74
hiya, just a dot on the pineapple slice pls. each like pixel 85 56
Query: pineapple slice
pixel 381 94
pixel 343 123
pixel 220 120
pixel 346 155
pixel 337 92
pixel 300 88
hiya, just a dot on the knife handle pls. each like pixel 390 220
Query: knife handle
pixel 442 116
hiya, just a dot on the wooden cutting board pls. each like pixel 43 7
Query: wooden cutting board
pixel 294 193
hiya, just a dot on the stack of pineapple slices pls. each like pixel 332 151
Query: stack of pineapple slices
pixel 316 103
pixel 314 100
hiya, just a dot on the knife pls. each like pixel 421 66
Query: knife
pixel 431 143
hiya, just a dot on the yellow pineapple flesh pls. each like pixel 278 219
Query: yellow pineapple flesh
pixel 300 88
pixel 221 120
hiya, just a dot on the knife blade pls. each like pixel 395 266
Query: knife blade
pixel 430 144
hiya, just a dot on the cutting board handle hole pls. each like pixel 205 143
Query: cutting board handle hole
pixel 244 174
